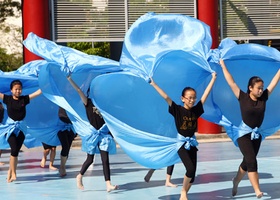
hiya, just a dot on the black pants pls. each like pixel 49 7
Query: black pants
pixel 105 163
pixel 169 170
pixel 15 143
pixel 46 146
pixel 189 159
pixel 249 148
pixel 66 138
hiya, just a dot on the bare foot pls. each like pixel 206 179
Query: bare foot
pixel 234 188
pixel 259 195
pixel 183 196
pixel 169 184
pixel 8 176
pixel 51 167
pixel 79 180
pixel 112 187
pixel 43 162
pixel 62 172
pixel 11 177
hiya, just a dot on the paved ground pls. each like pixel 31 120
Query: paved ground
pixel 218 160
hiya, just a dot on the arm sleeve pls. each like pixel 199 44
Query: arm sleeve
pixel 199 109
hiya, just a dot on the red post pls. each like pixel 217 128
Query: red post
pixel 207 11
pixel 36 19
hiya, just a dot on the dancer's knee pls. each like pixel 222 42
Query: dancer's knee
pixel 14 153
pixel 191 174
pixel 252 166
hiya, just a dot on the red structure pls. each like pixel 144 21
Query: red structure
pixel 207 11
pixel 36 19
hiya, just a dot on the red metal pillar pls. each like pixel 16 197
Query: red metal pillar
pixel 36 19
pixel 207 11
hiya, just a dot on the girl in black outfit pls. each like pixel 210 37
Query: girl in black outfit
pixel 66 138
pixel 186 123
pixel 252 105
pixel 97 121
pixel 16 109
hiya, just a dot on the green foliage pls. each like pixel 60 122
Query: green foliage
pixel 96 48
pixel 9 8
pixel 10 62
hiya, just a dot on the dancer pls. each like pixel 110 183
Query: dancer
pixel 252 106
pixel 105 141
pixel 169 172
pixel 66 137
pixel 16 109
pixel 186 123
pixel 48 149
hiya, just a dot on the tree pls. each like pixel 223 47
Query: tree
pixel 9 8
pixel 96 48
pixel 10 61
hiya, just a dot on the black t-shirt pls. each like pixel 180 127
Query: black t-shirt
pixel 16 108
pixel 252 111
pixel 94 117
pixel 63 116
pixel 1 112
pixel 186 120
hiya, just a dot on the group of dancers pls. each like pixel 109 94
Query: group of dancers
pixel 252 105
pixel 16 111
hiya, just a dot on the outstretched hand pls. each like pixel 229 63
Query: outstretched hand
pixel 151 81
pixel 214 75
pixel 222 63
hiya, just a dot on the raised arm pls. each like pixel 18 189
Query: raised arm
pixel 77 88
pixel 208 88
pixel 161 92
pixel 273 82
pixel 35 94
pixel 234 87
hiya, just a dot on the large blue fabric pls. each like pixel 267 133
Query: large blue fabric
pixel 172 49
pixel 58 90
pixel 83 68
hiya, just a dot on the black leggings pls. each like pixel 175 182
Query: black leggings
pixel 105 163
pixel 169 170
pixel 249 148
pixel 15 143
pixel 66 138
pixel 189 159
pixel 46 146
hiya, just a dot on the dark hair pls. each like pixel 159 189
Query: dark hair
pixel 15 82
pixel 252 81
pixel 187 89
